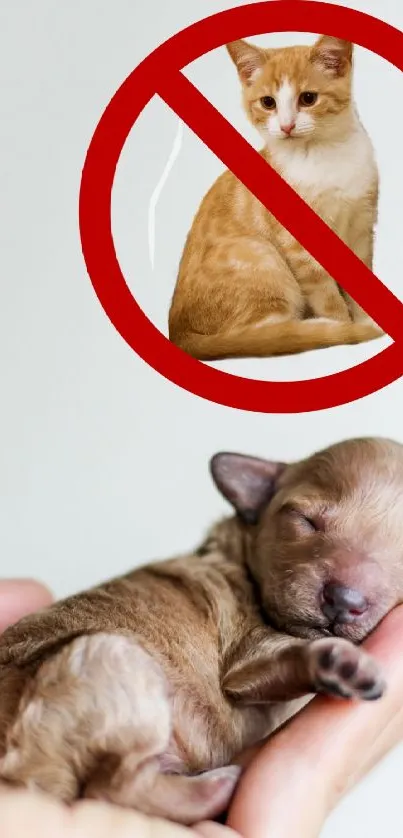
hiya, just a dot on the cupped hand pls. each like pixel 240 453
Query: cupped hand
pixel 322 752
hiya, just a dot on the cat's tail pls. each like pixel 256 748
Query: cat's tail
pixel 270 338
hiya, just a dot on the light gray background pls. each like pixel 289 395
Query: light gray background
pixel 103 464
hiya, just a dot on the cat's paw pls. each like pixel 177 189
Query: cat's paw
pixel 339 668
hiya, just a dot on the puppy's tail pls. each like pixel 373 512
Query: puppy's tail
pixel 266 339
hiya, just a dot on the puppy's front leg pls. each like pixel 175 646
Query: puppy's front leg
pixel 273 668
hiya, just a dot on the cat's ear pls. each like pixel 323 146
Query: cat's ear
pixel 248 483
pixel 247 58
pixel 332 55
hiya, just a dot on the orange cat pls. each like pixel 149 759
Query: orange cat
pixel 246 287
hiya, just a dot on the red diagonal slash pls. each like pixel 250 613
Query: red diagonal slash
pixel 281 200
pixel 95 206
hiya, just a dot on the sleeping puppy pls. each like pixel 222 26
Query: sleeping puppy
pixel 143 691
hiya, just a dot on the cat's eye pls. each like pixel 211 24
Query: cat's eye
pixel 308 98
pixel 268 102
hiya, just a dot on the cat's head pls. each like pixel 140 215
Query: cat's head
pixel 296 93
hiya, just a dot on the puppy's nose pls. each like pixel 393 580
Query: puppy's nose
pixel 342 604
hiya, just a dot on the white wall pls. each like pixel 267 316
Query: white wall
pixel 103 464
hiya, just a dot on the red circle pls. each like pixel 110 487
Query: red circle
pixel 95 209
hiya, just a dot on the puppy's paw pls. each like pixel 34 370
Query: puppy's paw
pixel 339 668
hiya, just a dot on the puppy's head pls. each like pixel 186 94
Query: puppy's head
pixel 326 534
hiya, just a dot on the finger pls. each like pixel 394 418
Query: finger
pixel 214 830
pixel 101 820
pixel 386 644
pixel 19 597
pixel 281 771
pixel 384 743
pixel 318 752
pixel 24 813
pixel 35 814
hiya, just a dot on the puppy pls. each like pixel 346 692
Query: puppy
pixel 143 691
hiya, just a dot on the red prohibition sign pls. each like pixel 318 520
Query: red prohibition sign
pixel 279 198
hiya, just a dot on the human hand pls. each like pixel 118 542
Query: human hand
pixel 30 813
pixel 322 752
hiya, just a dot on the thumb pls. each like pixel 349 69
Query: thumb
pixel 321 752
pixel 19 597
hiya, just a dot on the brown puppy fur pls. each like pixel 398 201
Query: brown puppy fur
pixel 246 287
pixel 144 690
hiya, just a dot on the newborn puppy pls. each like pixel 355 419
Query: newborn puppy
pixel 144 690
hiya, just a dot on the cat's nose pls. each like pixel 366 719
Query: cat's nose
pixel 343 604
pixel 288 128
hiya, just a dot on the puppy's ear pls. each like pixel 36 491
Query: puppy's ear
pixel 247 58
pixel 248 483
pixel 332 55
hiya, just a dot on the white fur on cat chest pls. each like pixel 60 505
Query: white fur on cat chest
pixel 347 167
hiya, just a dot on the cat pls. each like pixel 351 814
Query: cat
pixel 245 286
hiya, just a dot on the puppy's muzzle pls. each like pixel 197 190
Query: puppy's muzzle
pixel 342 604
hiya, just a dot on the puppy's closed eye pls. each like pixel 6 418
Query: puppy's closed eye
pixel 305 522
